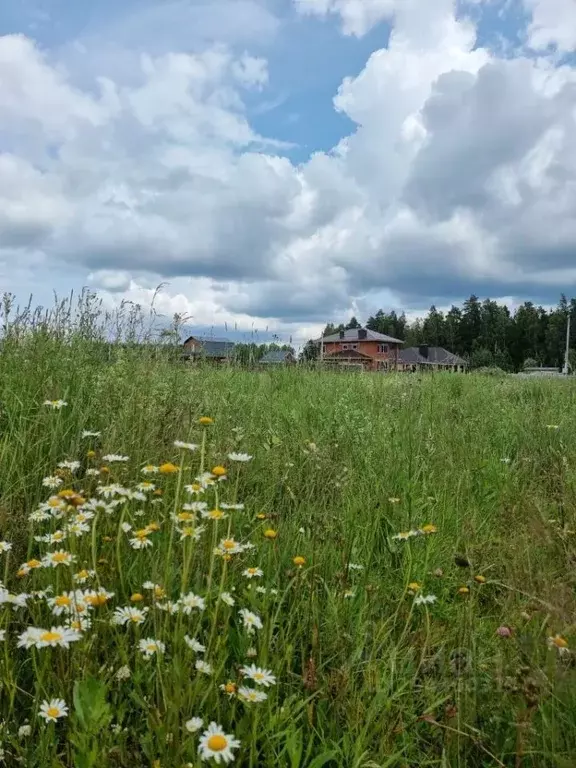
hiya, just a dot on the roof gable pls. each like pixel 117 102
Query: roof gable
pixel 353 334
pixel 277 356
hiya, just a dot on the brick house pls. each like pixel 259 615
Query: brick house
pixel 361 348
pixel 202 348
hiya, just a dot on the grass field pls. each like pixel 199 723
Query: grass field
pixel 448 646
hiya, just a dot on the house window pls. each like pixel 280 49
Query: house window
pixel 382 348
pixel 345 346
pixel 353 346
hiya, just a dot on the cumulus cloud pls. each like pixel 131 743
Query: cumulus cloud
pixel 358 16
pixel 459 175
pixel 553 23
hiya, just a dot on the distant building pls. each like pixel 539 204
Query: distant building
pixel 361 348
pixel 206 348
pixel 425 358
pixel 278 357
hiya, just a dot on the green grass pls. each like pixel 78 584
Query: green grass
pixel 365 677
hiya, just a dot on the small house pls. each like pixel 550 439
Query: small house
pixel 425 358
pixel 278 357
pixel 208 348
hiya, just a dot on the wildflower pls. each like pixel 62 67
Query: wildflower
pixel 24 730
pixel 42 638
pixel 349 594
pixel 145 487
pixel 136 597
pixel 216 744
pixel 30 565
pixel 140 542
pixel 185 446
pixel 464 591
pixel 251 653
pixel 506 460
pixel 194 488
pixel 228 547
pixel 99 597
pixel 126 527
pixel 190 601
pixel 429 528
pixel 77 529
pixel 227 598
pixel 552 426
pixel 394 500
pixel 123 673
pixel 59 557
pixel 251 695
pixel 111 490
pixel 79 624
pixel 250 620
pixel 67 602
pixel 230 688
pixel 194 645
pixel 425 599
pixel 219 471
pixel 191 532
pixel 204 667
pixel 87 433
pixel 480 579
pixel 214 514
pixel 56 405
pixel 404 535
pixel 205 421
pixel 92 472
pixel 504 631
pixel 559 643
pixel 242 457
pixel 112 458
pixel 5 546
pixel 251 573
pixel 299 561
pixel 82 576
pixel 414 586
pixel 232 506
pixel 52 710
pixel 149 647
pixel 194 724
pixel 168 468
pixel 52 482
pixel 150 469
pixel 261 516
pixel 129 615
pixel 72 466
pixel 270 533
pixel 259 675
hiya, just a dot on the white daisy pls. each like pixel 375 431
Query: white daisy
pixel 259 675
pixel 56 405
pixel 227 598
pixel 217 744
pixel 5 546
pixel 250 620
pixel 140 542
pixel 232 506
pixel 145 487
pixel 251 695
pixel 59 557
pixel 194 724
pixel 149 647
pixel 92 472
pixel 129 615
pixel 24 730
pixel 204 667
pixel 126 527
pixel 195 506
pixel 243 457
pixel 190 602
pixel 52 710
pixel 70 465
pixel 52 482
pixel 194 645
pixel 185 446
pixel 123 673
pixel 112 458
pixel 87 433
pixel 252 573
pixel 150 469
pixel 425 599
pixel 44 638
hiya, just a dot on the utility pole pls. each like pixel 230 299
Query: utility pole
pixel 566 369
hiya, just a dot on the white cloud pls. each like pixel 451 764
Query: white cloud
pixel 459 175
pixel 358 16
pixel 553 23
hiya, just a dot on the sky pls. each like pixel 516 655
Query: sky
pixel 278 164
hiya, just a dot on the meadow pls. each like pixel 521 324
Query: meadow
pixel 282 568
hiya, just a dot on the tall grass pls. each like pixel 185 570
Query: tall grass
pixel 366 673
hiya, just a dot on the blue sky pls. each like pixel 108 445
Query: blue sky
pixel 280 163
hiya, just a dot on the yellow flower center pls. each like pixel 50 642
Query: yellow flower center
pixel 196 487
pixel 252 571
pixel 229 544
pixel 429 528
pixel 90 454
pixel 168 468
pixel 560 642
pixel 270 534
pixel 33 563
pixel 137 597
pixel 258 676
pixel 82 575
pixel 299 561
pixel 50 637
pixel 261 516
pixel 154 526
pixel 62 600
pixel 54 502
pixel 96 599
pixel 159 592
pixel 217 743
pixel 216 514
pixel 414 586
pixel 142 533
pixel 77 625
pixel 52 711
pixel 60 557
pixel 218 471
pixel 230 687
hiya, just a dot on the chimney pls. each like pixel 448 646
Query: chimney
pixel 362 333
pixel 423 350
pixel 341 334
